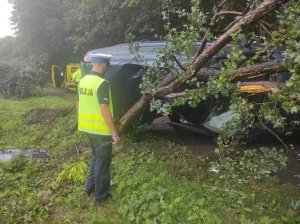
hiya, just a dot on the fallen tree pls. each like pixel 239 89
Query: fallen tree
pixel 203 54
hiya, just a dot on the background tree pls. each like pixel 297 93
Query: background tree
pixel 63 31
pixel 40 30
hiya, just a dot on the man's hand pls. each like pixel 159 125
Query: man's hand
pixel 116 139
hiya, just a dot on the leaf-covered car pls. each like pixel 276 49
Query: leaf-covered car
pixel 125 76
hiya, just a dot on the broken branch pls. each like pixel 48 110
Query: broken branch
pixel 265 84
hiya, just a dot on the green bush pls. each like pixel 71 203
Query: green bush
pixel 251 164
pixel 23 80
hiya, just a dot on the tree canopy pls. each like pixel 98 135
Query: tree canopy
pixel 63 30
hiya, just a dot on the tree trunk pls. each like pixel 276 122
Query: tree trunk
pixel 134 111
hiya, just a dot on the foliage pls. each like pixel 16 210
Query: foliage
pixel 21 204
pixel 75 172
pixel 65 30
pixel 251 164
pixel 275 111
pixel 286 99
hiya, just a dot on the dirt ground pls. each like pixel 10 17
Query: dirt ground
pixel 44 116
pixel 202 145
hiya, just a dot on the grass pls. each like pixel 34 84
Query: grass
pixel 15 133
pixel 165 185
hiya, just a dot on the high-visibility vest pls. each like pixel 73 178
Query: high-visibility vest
pixel 77 76
pixel 90 118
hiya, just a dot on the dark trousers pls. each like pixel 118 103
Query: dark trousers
pixel 98 180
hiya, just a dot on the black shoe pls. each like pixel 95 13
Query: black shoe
pixel 109 195
pixel 88 193
pixel 101 200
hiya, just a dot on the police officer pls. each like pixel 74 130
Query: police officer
pixel 95 118
pixel 77 76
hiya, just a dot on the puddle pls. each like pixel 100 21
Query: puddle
pixel 32 154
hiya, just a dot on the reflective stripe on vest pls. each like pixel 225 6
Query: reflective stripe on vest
pixel 90 119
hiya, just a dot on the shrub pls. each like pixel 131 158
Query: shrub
pixel 23 80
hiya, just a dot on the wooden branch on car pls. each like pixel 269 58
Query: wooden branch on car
pixel 265 84
pixel 261 68
pixel 205 73
pixel 167 80
pixel 269 67
pixel 173 96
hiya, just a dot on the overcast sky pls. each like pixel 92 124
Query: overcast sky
pixel 5 14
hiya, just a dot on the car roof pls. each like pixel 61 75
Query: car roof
pixel 121 53
pixel 149 50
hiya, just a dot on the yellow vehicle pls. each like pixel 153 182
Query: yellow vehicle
pixel 59 78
